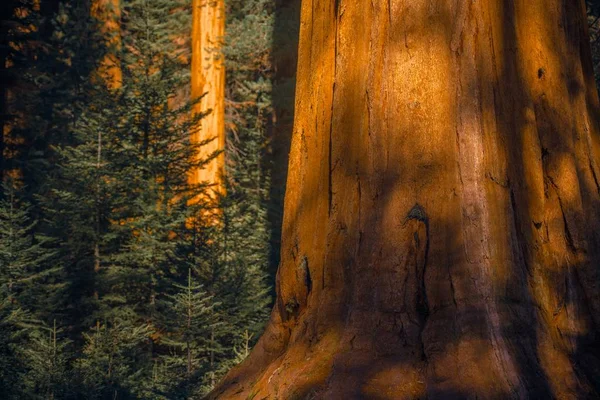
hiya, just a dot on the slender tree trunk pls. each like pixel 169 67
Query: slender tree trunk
pixel 441 233
pixel 208 77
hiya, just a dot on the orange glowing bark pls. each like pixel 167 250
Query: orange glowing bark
pixel 441 233
pixel 208 76
pixel 108 13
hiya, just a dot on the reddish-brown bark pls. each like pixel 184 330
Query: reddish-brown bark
pixel 208 79
pixel 441 232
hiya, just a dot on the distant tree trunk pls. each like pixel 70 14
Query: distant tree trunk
pixel 108 14
pixel 441 233
pixel 208 76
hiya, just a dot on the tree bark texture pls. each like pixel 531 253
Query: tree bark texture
pixel 441 233
pixel 208 79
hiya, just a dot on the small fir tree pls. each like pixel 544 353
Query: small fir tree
pixel 189 318
pixel 114 362
pixel 46 357
pixel 30 276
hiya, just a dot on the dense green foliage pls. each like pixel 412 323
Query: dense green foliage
pixel 113 284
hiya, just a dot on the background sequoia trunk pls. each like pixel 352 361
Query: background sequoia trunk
pixel 208 77
pixel 441 232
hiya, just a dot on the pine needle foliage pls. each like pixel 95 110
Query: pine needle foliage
pixel 189 320
pixel 30 283
pixel 47 361
pixel 113 362
pixel 102 232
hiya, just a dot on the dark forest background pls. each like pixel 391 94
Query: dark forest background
pixel 111 286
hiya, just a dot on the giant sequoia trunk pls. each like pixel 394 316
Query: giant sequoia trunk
pixel 441 232
pixel 208 79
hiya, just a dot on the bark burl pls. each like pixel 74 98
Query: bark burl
pixel 441 232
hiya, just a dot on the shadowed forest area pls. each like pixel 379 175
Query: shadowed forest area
pixel 122 274
pixel 439 163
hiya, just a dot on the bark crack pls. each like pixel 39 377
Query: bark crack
pixel 594 175
pixel 452 289
pixel 568 235
pixel 519 234
pixel 502 183
pixel 590 153
pixel 330 155
pixel 305 271
pixel 461 17
pixel 417 213
pixel 359 213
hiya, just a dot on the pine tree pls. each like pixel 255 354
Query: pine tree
pixel 30 282
pixel 121 197
pixel 114 362
pixel 189 318
pixel 65 47
pixel 30 274
pixel 151 158
pixel 80 204
pixel 120 194
pixel 224 260
pixel 12 335
pixel 46 355
pixel 111 230
pixel 244 249
pixel 59 50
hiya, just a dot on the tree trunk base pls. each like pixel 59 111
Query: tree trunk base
pixel 458 355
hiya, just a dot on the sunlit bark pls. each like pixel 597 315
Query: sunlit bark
pixel 441 233
pixel 208 77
